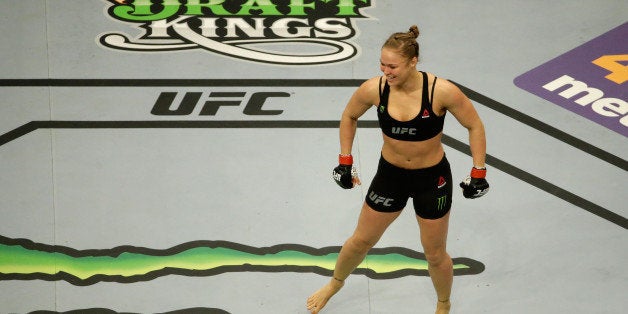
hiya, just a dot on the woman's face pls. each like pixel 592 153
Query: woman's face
pixel 396 67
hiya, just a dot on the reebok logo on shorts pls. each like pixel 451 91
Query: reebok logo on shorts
pixel 441 182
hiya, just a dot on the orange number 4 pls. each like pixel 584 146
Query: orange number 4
pixel 619 71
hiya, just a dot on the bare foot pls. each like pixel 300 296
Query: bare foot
pixel 442 307
pixel 317 301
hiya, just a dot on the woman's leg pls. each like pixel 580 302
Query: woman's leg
pixel 370 228
pixel 440 266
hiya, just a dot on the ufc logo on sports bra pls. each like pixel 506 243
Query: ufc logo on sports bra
pixel 380 199
pixel 399 130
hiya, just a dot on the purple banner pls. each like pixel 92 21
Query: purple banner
pixel 590 80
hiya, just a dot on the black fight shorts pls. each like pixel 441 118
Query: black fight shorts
pixel 430 188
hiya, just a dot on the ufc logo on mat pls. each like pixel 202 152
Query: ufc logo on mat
pixel 190 100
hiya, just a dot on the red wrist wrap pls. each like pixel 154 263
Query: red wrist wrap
pixel 478 173
pixel 345 159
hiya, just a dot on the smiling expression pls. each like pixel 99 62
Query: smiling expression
pixel 395 66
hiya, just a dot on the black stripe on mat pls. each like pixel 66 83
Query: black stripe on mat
pixel 479 98
pixel 447 140
pixel 545 128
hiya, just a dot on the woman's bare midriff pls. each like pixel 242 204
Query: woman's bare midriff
pixel 413 155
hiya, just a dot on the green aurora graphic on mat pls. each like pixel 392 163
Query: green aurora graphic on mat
pixel 22 259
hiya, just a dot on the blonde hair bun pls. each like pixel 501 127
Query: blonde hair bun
pixel 414 31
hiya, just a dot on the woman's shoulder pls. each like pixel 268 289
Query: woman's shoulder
pixel 372 85
pixel 368 92
pixel 446 93
pixel 373 82
pixel 439 81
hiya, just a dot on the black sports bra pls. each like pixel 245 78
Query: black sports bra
pixel 423 127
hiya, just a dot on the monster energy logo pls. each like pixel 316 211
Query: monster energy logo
pixel 294 32
pixel 442 201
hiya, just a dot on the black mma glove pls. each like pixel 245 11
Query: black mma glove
pixel 344 173
pixel 475 185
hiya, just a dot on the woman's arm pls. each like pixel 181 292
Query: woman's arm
pixel 456 102
pixel 362 99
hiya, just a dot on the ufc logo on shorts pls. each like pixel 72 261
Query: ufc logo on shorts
pixel 380 199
